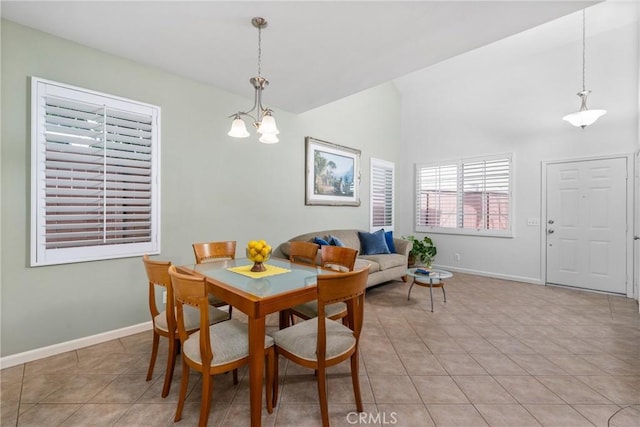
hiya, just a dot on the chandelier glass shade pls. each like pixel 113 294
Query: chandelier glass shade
pixel 584 117
pixel 261 117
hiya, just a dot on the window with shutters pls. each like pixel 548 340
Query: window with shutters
pixel 468 196
pixel 382 186
pixel 94 175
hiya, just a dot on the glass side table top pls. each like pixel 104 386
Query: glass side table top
pixel 434 276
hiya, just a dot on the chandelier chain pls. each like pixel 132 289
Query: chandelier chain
pixel 259 51
pixel 584 51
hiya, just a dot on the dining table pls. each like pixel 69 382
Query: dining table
pixel 257 294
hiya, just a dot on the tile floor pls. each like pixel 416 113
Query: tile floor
pixel 498 353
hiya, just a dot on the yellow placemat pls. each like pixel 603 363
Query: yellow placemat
pixel 245 270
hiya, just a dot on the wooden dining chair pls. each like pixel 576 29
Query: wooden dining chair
pixel 339 258
pixel 214 349
pixel 215 251
pixel 164 322
pixel 303 252
pixel 320 343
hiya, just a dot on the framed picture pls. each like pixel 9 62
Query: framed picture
pixel 332 174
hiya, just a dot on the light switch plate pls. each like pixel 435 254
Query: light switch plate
pixel 533 221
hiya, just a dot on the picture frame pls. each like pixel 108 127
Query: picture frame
pixel 332 174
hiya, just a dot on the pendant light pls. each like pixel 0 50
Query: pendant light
pixel 584 117
pixel 263 120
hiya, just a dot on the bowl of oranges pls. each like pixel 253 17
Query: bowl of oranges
pixel 259 252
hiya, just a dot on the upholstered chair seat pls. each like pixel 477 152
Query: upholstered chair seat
pixel 192 318
pixel 233 334
pixel 301 338
pixel 309 310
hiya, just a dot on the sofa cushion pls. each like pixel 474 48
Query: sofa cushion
pixel 373 243
pixel 362 263
pixel 388 237
pixel 334 241
pixel 385 261
pixel 349 238
pixel 320 241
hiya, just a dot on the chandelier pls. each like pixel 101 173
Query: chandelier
pixel 584 117
pixel 263 120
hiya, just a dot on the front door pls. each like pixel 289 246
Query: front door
pixel 586 224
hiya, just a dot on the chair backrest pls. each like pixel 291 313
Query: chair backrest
pixel 214 250
pixel 192 291
pixel 303 252
pixel 346 287
pixel 339 258
pixel 158 274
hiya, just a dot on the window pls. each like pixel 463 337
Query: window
pixel 382 184
pixel 469 196
pixel 95 161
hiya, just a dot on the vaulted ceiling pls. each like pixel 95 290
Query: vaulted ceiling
pixel 313 52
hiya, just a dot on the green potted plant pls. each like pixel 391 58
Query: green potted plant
pixel 422 252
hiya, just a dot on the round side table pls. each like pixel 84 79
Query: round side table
pixel 435 279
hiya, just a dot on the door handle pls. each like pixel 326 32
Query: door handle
pixel 636 237
pixel 550 231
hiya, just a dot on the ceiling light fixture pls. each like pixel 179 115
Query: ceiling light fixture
pixel 584 117
pixel 263 119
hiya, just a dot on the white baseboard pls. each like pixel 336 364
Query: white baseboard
pixel 532 280
pixel 52 350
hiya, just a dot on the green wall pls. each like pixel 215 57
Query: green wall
pixel 213 187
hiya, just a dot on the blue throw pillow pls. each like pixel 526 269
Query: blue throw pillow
pixel 388 237
pixel 373 243
pixel 334 241
pixel 320 241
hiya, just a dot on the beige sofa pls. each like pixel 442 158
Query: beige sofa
pixel 382 267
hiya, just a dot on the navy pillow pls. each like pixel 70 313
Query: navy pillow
pixel 373 243
pixel 320 241
pixel 388 237
pixel 334 241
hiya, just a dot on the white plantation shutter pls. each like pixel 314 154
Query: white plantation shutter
pixel 437 196
pixel 470 196
pixel 382 188
pixel 95 163
pixel 485 194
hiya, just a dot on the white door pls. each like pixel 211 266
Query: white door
pixel 586 224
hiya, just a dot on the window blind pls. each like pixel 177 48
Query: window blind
pixel 95 172
pixel 382 188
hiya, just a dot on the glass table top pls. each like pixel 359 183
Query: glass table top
pixel 298 276
pixel 434 275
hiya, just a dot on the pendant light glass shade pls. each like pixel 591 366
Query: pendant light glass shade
pixel 238 129
pixel 268 138
pixel 268 125
pixel 584 118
